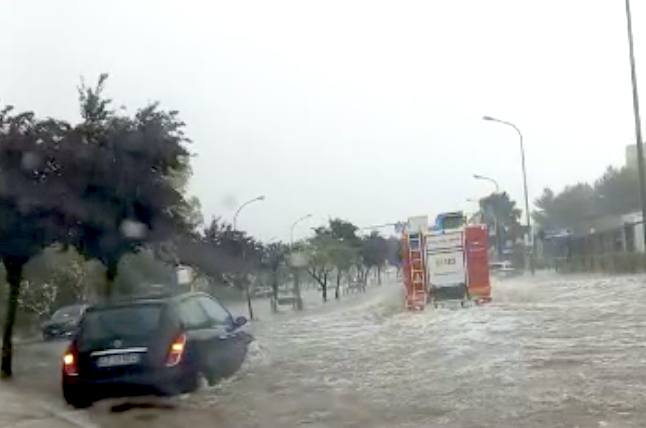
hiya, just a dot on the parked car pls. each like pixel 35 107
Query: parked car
pixel 157 344
pixel 263 292
pixel 503 269
pixel 63 322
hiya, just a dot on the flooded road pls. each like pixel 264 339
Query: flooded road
pixel 554 352
pixel 549 352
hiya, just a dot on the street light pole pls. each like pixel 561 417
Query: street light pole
pixel 638 125
pixel 250 201
pixel 489 179
pixel 495 214
pixel 305 217
pixel 527 213
pixel 297 269
pixel 235 228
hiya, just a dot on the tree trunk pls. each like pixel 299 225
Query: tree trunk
pixel 324 291
pixel 338 285
pixel 110 275
pixel 366 273
pixel 274 284
pixel 13 266
pixel 320 277
pixel 379 275
pixel 360 273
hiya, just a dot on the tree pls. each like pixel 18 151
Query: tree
pixel 275 258
pixel 617 192
pixel 374 254
pixel 104 186
pixel 319 253
pixel 343 250
pixel 120 174
pixel 74 278
pixel 501 210
pixel 568 209
pixel 544 215
pixel 37 299
pixel 335 246
pixel 342 256
pixel 395 255
pixel 216 253
pixel 29 213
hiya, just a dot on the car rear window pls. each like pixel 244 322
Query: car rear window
pixel 130 321
pixel 67 312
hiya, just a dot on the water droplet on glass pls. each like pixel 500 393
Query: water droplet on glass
pixel 30 161
pixel 133 229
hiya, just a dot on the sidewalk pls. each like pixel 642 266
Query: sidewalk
pixel 19 410
pixel 312 301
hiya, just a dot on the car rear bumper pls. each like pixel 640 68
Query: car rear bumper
pixel 58 331
pixel 162 381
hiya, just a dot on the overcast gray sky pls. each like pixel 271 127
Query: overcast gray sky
pixel 367 110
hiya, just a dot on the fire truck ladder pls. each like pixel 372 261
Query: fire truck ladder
pixel 417 300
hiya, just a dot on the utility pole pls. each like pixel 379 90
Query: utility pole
pixel 235 228
pixel 638 121
pixel 295 261
pixel 528 214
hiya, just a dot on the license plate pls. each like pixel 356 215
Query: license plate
pixel 449 304
pixel 118 360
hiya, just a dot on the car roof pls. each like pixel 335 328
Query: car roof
pixel 145 299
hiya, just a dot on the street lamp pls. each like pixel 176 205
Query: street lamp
pixel 250 201
pixel 305 217
pixel 489 179
pixel 235 228
pixel 638 125
pixel 527 213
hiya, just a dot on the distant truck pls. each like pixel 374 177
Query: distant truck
pixel 447 262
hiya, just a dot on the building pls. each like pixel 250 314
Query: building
pixel 613 234
pixel 631 156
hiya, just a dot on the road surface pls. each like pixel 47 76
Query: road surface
pixel 549 352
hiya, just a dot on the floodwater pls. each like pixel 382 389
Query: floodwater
pixel 548 352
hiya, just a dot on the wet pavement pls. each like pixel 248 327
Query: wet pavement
pixel 548 352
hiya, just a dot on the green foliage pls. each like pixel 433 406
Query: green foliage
pixel 374 250
pixel 566 209
pixel 125 175
pixel 224 255
pixel 106 186
pixel 30 211
pixel 141 270
pixel 616 192
pixel 395 251
pixel 335 246
pixel 499 207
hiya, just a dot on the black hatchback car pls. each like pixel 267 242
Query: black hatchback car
pixel 163 345
pixel 63 322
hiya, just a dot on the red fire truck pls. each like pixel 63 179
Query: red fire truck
pixel 445 262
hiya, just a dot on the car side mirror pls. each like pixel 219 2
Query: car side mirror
pixel 240 321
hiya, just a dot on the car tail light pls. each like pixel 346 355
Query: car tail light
pixel 176 350
pixel 70 362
